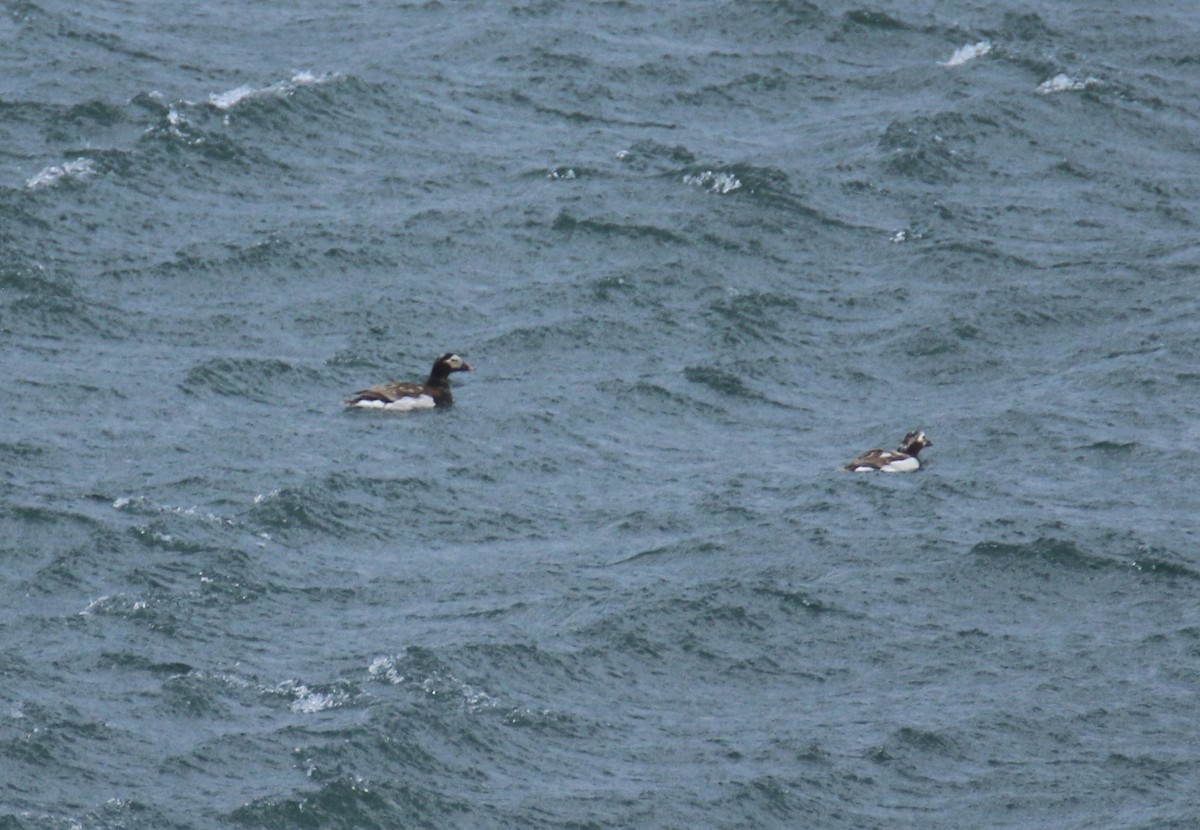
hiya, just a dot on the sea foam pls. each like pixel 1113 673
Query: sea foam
pixel 963 54
pixel 1065 83
pixel 226 101
pixel 80 168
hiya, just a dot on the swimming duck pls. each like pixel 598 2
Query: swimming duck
pixel 403 397
pixel 902 460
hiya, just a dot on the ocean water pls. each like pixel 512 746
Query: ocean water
pixel 700 254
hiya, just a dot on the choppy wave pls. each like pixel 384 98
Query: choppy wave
pixel 269 381
pixel 568 224
pixel 725 383
pixel 50 307
pixel 1068 555
pixel 419 669
pixel 873 19
pixel 341 799
pixel 341 505
pixel 107 140
pixel 932 149
pixel 583 596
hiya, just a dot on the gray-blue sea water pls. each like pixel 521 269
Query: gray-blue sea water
pixel 701 254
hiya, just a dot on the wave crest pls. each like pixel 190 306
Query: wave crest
pixel 1066 555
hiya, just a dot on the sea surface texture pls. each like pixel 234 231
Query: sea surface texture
pixel 700 255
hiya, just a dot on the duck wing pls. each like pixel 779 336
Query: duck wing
pixel 871 460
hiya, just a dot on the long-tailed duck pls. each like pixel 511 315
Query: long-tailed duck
pixel 403 397
pixel 903 460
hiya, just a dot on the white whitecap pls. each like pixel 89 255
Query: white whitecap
pixel 714 182
pixel 904 235
pixel 118 603
pixel 80 168
pixel 1065 83
pixel 384 667
pixel 308 702
pixel 963 54
pixel 226 101
pixel 262 497
pixel 144 505
pixel 94 605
